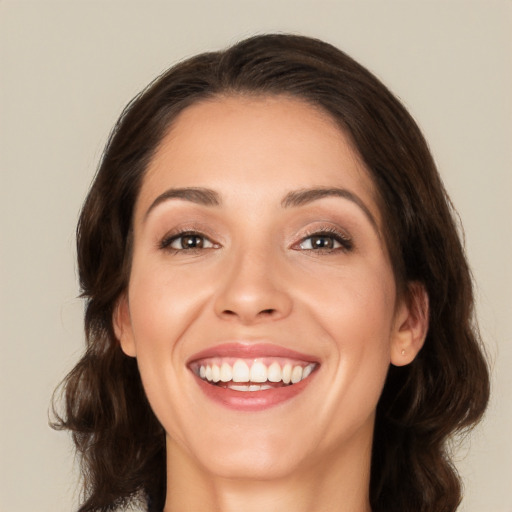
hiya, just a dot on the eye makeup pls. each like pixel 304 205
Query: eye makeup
pixel 187 240
pixel 324 239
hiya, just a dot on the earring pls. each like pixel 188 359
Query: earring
pixel 403 352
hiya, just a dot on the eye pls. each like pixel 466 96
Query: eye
pixel 325 241
pixel 187 241
pixel 319 242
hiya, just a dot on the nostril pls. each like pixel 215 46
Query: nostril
pixel 263 312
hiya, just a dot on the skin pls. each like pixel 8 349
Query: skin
pixel 257 279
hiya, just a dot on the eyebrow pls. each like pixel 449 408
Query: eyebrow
pixel 306 196
pixel 198 195
pixel 293 199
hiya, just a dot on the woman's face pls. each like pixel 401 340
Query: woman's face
pixel 261 305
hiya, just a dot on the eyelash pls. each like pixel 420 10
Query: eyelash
pixel 344 241
pixel 168 240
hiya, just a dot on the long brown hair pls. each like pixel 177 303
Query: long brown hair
pixel 444 391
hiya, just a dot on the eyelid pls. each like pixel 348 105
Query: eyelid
pixel 341 236
pixel 164 242
pixel 206 242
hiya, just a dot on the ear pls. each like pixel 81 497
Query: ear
pixel 411 325
pixel 122 323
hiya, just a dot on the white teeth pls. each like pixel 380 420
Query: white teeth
pixel 240 372
pixel 215 373
pixel 274 373
pixel 258 372
pixel 296 374
pixel 287 373
pixel 226 374
pixel 307 371
pixel 254 376
pixel 242 388
pixel 252 387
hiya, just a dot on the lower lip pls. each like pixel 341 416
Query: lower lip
pixel 252 400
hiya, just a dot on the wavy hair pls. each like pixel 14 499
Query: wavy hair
pixel 443 391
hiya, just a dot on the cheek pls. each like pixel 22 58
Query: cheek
pixel 161 311
pixel 355 315
pixel 362 329
pixel 163 303
pixel 355 305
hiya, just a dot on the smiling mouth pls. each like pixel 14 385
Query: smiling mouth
pixel 252 375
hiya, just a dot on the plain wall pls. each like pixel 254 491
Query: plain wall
pixel 68 68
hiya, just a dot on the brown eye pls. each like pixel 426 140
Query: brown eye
pixel 191 242
pixel 326 241
pixel 187 241
pixel 322 242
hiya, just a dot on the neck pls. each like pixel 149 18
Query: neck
pixel 333 484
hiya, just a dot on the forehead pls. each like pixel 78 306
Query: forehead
pixel 245 144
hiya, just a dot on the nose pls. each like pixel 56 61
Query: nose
pixel 253 291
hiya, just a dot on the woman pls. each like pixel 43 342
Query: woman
pixel 279 309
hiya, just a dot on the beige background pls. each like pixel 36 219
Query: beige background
pixel 68 68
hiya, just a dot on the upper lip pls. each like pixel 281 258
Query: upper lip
pixel 251 351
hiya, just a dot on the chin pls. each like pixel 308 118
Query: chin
pixel 253 464
pixel 257 455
